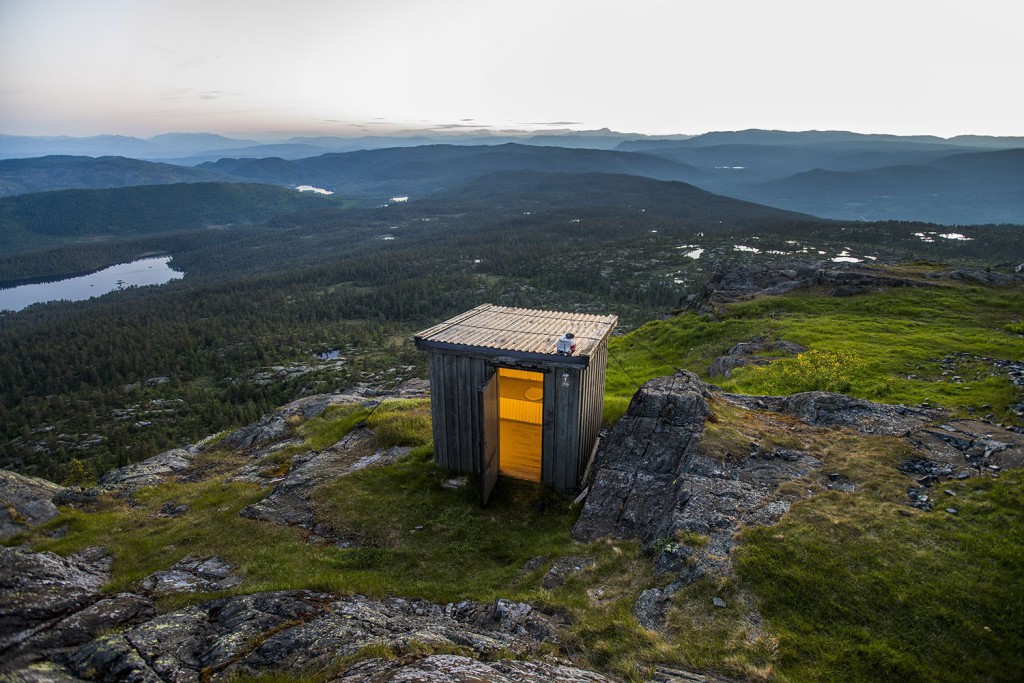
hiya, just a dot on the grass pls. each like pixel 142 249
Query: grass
pixel 857 588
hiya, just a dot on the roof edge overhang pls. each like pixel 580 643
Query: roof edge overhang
pixel 549 359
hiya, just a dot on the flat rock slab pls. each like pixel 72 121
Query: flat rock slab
pixel 456 669
pixel 563 568
pixel 302 630
pixel 970 445
pixel 276 425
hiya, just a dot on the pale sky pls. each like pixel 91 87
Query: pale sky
pixel 255 67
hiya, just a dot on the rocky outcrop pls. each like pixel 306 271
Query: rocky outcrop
pixel 826 409
pixel 638 468
pixel 149 472
pixel 654 482
pixel 277 425
pixel 55 625
pixel 25 502
pixel 49 604
pixel 987 276
pixel 752 353
pixel 289 502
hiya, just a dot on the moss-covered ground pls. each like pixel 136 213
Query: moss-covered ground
pixel 848 586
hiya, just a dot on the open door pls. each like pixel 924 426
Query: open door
pixel 521 416
pixel 489 437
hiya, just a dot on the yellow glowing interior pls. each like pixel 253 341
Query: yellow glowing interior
pixel 521 411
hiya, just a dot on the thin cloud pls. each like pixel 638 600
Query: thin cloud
pixel 449 126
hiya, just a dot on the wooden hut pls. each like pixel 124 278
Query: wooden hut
pixel 504 401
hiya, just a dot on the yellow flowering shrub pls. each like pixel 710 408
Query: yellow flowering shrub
pixel 814 370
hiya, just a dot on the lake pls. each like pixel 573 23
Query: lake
pixel 147 271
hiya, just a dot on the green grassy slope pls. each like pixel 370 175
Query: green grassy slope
pixel 884 347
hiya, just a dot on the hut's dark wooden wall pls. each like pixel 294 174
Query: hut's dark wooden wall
pixel 573 408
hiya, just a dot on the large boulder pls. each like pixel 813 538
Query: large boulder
pixel 638 479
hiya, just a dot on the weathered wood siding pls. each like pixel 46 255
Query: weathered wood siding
pixel 455 411
pixel 591 408
pixel 561 428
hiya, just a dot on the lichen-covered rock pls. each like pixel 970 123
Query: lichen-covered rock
pixel 457 669
pixel 41 672
pixel 50 603
pixel 36 588
pixel 25 502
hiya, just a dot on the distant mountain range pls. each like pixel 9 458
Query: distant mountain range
pixel 195 148
pixel 832 174
pixel 418 171
pixel 850 176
